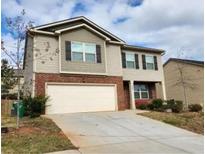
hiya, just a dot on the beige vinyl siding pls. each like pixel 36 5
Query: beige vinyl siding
pixel 46 49
pixel 159 92
pixel 114 62
pixel 144 75
pixel 193 75
pixel 28 70
pixel 82 35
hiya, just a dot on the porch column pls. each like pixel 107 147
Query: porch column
pixel 164 90
pixel 132 98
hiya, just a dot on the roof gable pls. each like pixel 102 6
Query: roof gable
pixel 187 61
pixel 69 23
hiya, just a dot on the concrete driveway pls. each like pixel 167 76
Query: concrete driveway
pixel 125 132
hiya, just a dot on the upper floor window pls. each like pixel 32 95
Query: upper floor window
pixel 83 52
pixel 130 60
pixel 141 91
pixel 149 62
pixel 77 51
pixel 90 52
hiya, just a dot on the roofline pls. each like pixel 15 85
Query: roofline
pixel 182 61
pixel 82 25
pixel 126 46
pixel 75 19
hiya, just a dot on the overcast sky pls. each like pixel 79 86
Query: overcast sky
pixel 173 25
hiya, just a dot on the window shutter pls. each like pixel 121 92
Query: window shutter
pixel 98 53
pixel 136 61
pixel 155 63
pixel 123 60
pixel 68 50
pixel 143 62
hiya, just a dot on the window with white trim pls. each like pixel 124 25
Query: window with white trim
pixel 85 52
pixel 149 62
pixel 130 60
pixel 141 91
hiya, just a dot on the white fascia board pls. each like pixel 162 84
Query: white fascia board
pixel 58 23
pixel 41 32
pixel 115 42
pixel 76 19
pixel 82 25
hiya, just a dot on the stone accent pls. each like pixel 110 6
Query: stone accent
pixel 42 78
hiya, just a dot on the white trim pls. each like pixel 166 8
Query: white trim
pixel 33 84
pixel 164 90
pixel 79 18
pixel 84 84
pixel 68 72
pixel 34 59
pixel 149 63
pixel 83 52
pixel 59 52
pixel 131 53
pixel 132 96
pixel 41 32
pixel 140 92
pixel 62 22
pixel 115 42
pixel 105 58
pixel 82 25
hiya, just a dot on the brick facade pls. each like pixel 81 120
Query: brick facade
pixel 42 78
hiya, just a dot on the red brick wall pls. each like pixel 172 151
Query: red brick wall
pixel 41 78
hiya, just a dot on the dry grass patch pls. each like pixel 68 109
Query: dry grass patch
pixel 192 121
pixel 38 135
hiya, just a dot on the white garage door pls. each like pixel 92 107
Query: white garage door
pixel 80 98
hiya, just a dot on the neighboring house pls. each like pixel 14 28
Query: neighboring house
pixel 84 68
pixel 184 80
pixel 14 90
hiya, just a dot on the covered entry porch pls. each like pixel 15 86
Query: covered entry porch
pixel 138 92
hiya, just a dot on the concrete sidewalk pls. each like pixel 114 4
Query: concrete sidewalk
pixel 125 132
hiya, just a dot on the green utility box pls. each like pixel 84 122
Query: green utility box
pixel 20 106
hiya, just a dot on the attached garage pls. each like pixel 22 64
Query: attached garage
pixel 72 98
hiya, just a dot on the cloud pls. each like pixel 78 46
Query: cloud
pixel 172 25
pixel 10 44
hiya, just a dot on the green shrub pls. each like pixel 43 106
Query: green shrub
pixel 176 106
pixel 195 107
pixel 157 103
pixel 142 106
pixel 150 106
pixel 35 106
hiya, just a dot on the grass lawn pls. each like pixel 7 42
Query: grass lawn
pixel 192 121
pixel 38 135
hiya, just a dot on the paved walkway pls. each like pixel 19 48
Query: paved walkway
pixel 126 133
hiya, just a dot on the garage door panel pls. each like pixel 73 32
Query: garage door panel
pixel 80 98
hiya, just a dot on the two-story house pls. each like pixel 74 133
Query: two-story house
pixel 184 80
pixel 84 68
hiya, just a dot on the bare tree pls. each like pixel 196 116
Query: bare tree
pixel 18 27
pixel 184 80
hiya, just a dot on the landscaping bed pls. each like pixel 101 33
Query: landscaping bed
pixel 35 135
pixel 192 121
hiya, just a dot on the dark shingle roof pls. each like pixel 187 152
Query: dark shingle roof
pixel 188 61
pixel 132 47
